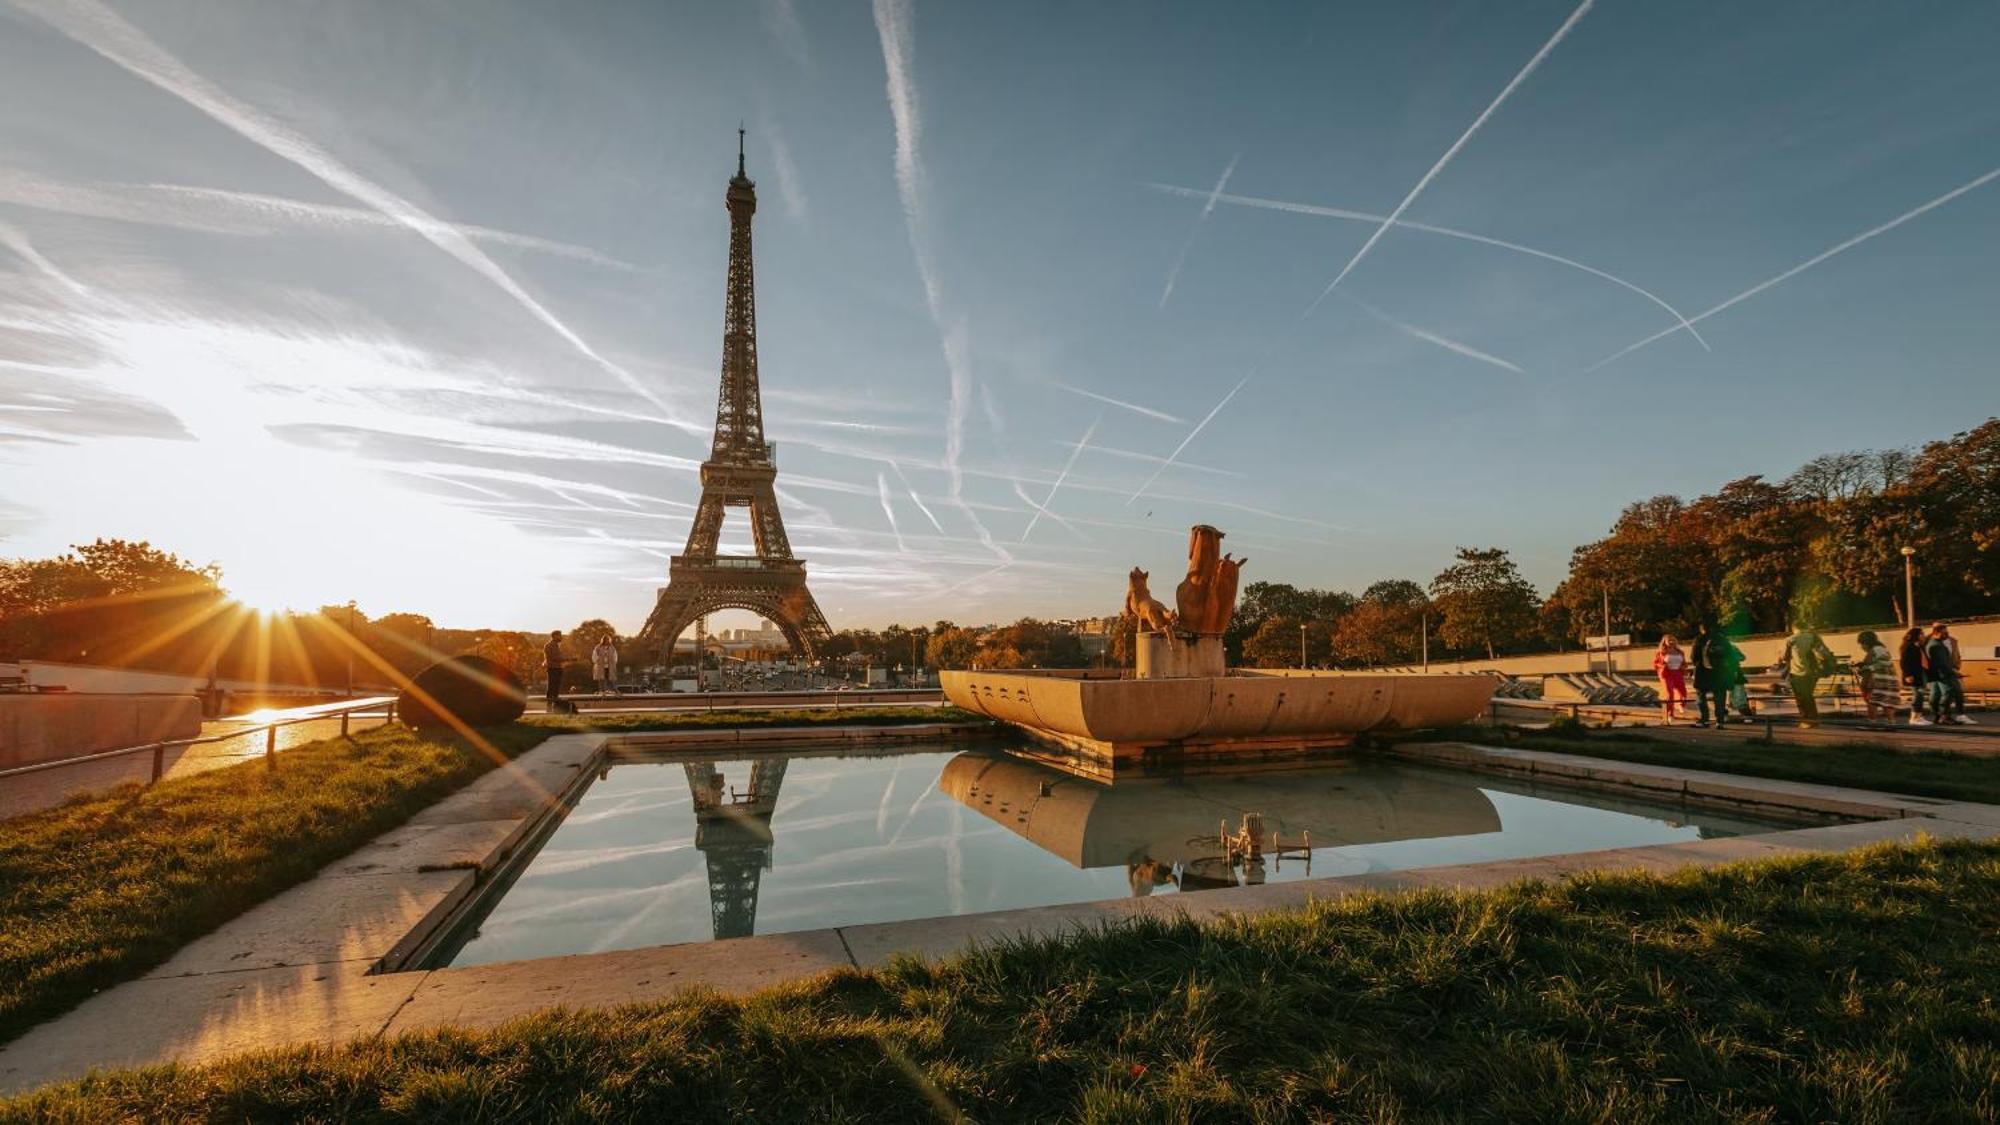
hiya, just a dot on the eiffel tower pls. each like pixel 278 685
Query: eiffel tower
pixel 739 472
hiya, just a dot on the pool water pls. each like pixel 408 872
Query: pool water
pixel 661 852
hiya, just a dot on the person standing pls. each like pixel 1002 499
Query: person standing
pixel 552 664
pixel 1670 665
pixel 1709 685
pixel 604 664
pixel 1876 670
pixel 1911 662
pixel 1941 667
pixel 1806 659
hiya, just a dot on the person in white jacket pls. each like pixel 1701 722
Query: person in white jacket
pixel 604 665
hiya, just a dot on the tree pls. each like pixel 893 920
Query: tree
pixel 579 641
pixel 1276 644
pixel 952 648
pixel 1483 600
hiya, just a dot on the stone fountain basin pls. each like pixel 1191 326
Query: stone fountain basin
pixel 1247 705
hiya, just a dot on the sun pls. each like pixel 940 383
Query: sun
pixel 261 599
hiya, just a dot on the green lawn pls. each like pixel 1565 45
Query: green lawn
pixel 103 888
pixel 1856 987
pixel 1857 765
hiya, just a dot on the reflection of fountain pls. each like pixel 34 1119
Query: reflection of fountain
pixel 733 833
pixel 1181 701
pixel 1164 831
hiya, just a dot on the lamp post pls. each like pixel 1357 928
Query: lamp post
pixel 1909 588
pixel 350 649
pixel 1302 645
pixel 1424 641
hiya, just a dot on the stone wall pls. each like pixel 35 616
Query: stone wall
pixel 47 727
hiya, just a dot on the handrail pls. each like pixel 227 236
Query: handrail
pixel 270 729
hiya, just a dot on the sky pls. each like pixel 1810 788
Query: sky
pixel 420 304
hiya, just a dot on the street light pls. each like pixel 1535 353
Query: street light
pixel 1909 588
pixel 1302 645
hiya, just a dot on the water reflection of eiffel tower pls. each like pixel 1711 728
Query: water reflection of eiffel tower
pixel 733 832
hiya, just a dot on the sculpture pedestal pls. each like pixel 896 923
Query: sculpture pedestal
pixel 1161 657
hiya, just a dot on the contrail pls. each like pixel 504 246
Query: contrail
pixel 1816 259
pixel 299 211
pixel 93 25
pixel 888 509
pixel 892 26
pixel 1466 350
pixel 1061 477
pixel 1187 244
pixel 914 498
pixel 1041 509
pixel 12 238
pixel 1505 92
pixel 1447 232
pixel 1171 457
pixel 1121 403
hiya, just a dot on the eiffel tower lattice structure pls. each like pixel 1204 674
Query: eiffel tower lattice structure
pixel 740 472
pixel 733 833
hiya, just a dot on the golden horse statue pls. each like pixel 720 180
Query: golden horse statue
pixel 1207 596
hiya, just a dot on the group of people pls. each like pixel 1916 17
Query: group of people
pixel 1929 667
pixel 603 666
pixel 1717 668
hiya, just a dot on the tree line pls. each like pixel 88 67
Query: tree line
pixel 1823 545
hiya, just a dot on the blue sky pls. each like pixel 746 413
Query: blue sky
pixel 420 303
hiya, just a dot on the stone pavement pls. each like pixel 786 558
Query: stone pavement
pixel 297 969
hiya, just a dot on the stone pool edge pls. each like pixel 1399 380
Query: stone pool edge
pixel 276 976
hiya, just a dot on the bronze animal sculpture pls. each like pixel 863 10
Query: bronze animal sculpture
pixel 1207 596
pixel 1153 616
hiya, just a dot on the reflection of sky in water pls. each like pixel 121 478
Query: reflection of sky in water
pixel 869 839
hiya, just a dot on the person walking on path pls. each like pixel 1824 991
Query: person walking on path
pixel 1911 661
pixel 1718 667
pixel 1806 659
pixel 604 664
pixel 1876 670
pixel 1670 665
pixel 552 663
pixel 1941 668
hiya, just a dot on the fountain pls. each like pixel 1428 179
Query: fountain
pixel 1181 702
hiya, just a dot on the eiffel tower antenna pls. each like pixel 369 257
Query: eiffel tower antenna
pixel 740 472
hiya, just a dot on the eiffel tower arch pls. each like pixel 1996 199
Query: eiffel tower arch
pixel 740 472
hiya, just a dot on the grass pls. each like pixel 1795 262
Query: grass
pixel 1857 765
pixel 106 887
pixel 1851 987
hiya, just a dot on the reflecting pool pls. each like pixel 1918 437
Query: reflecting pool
pixel 659 852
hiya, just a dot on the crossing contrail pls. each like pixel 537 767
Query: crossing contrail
pixel 1060 478
pixel 1505 92
pixel 1120 403
pixel 914 498
pixel 98 28
pixel 1447 232
pixel 1187 244
pixel 1198 427
pixel 1429 337
pixel 889 510
pixel 1816 259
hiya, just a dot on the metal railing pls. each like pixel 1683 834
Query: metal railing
pixel 343 711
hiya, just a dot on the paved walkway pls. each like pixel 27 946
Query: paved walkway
pixel 1982 740
pixel 298 969
pixel 35 791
